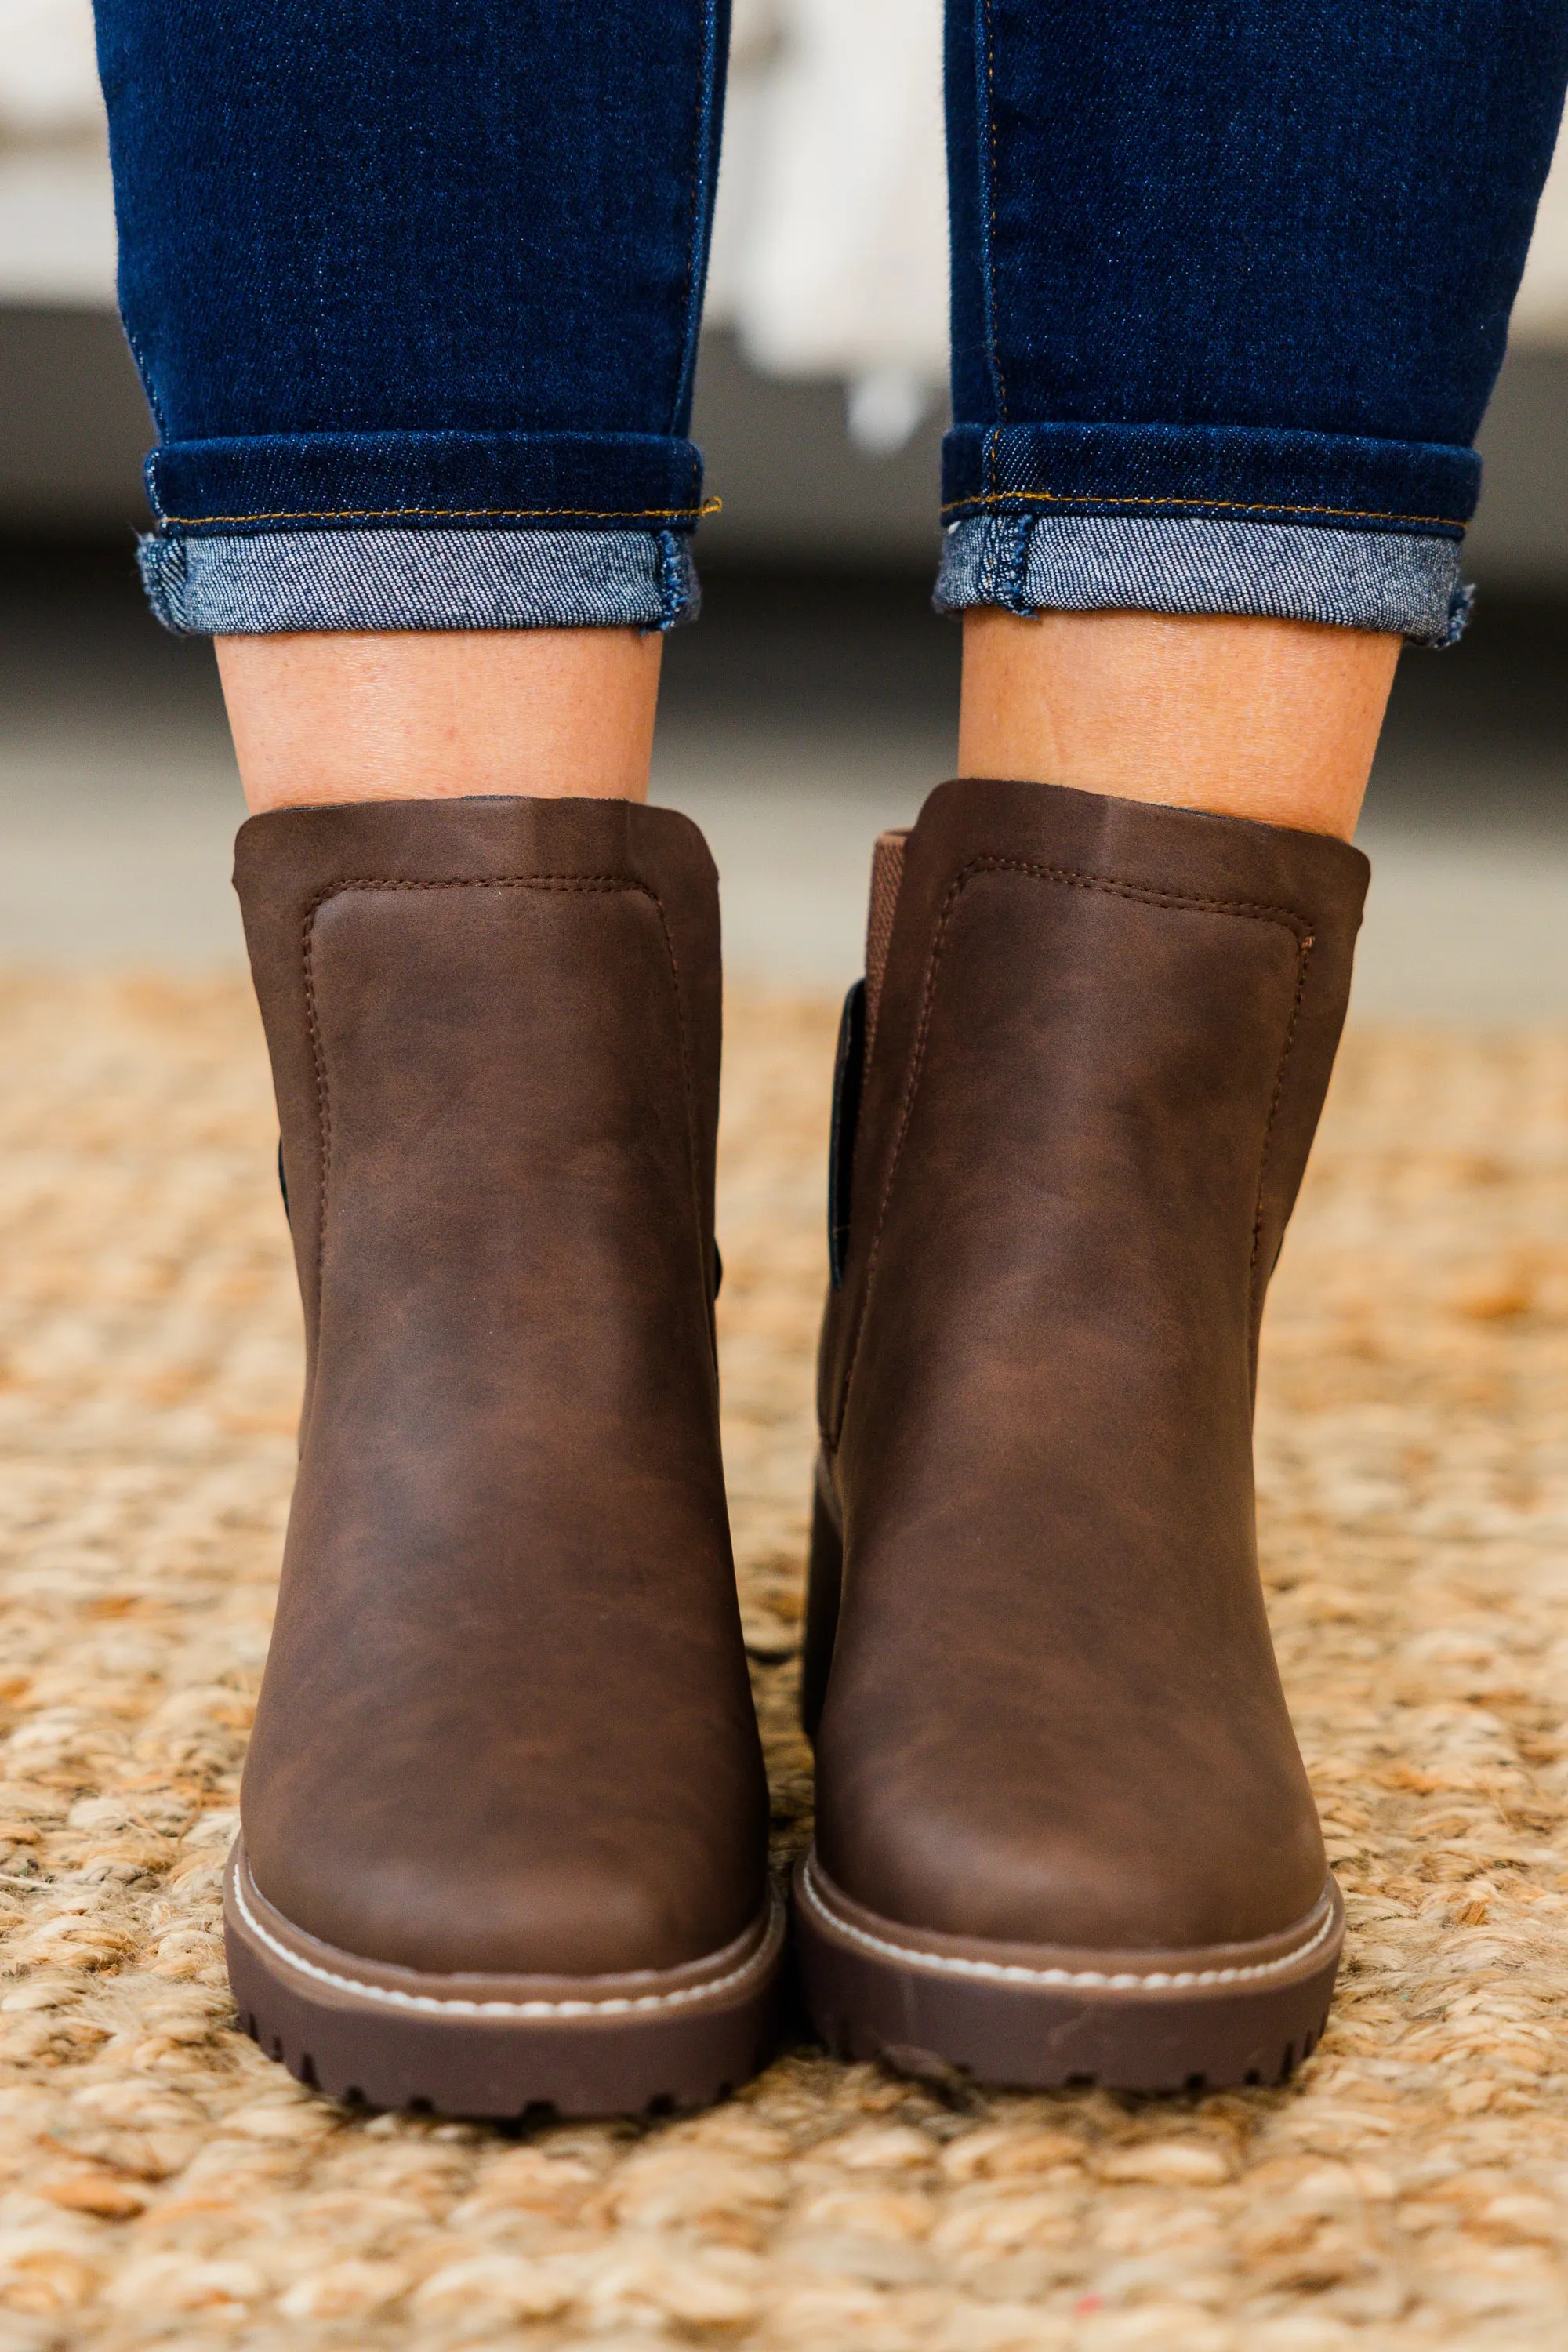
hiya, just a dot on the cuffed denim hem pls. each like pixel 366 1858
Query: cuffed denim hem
pixel 276 581
pixel 1389 580
pixel 1219 473
pixel 337 481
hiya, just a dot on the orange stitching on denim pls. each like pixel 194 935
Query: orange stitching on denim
pixel 1145 894
pixel 458 514
pixel 1226 506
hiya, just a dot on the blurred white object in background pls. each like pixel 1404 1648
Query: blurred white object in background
pixel 831 241
pixel 49 75
pixel 57 207
pixel 885 409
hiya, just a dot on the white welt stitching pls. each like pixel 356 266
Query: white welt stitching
pixel 1000 1972
pixel 433 2003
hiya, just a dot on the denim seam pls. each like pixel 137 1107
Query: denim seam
pixel 701 212
pixel 156 405
pixel 1222 506
pixel 453 514
pixel 988 254
pixel 1146 894
pixel 1012 571
pixel 671 579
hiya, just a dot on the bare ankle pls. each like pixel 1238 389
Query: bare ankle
pixel 431 715
pixel 1276 721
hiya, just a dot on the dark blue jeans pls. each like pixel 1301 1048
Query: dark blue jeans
pixel 414 288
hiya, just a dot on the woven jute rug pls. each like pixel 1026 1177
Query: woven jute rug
pixel 161 2182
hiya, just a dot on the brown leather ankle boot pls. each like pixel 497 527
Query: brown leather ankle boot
pixel 503 1818
pixel 1063 1829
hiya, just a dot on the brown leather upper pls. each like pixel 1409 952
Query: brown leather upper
pixel 1103 1041
pixel 505 1724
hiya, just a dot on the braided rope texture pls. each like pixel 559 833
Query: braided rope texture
pixel 161 2183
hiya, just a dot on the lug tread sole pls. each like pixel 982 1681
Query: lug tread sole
pixel 357 2049
pixel 1255 2028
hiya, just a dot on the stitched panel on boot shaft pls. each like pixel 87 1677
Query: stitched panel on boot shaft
pixel 1149 855
pixel 288 863
pixel 1082 1044
pixel 486 1047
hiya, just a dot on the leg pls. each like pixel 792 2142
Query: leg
pixel 424 474
pixel 1268 719
pixel 397 394
pixel 1279 367
pixel 442 712
pixel 1063 1831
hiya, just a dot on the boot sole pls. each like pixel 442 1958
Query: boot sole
pixel 1048 2019
pixel 497 2046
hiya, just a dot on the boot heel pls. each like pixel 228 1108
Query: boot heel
pixel 823 1583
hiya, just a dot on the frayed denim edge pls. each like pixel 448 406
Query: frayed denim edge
pixel 1387 581
pixel 266 584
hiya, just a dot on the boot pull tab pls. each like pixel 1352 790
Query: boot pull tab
pixel 887 873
